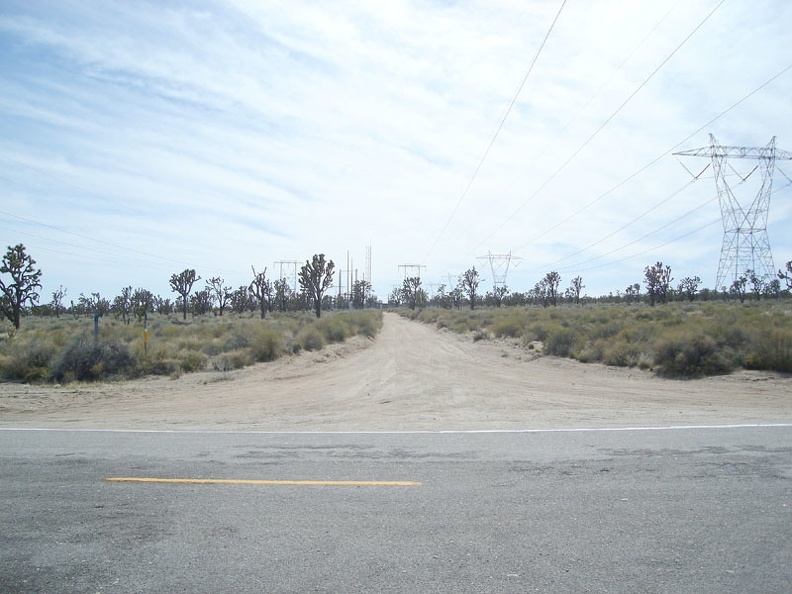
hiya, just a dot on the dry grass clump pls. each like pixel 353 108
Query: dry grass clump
pixel 675 340
pixel 64 349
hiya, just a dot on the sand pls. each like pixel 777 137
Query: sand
pixel 411 377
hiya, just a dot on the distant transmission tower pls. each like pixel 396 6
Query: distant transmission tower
pixel 745 242
pixel 368 264
pixel 406 269
pixel 499 265
pixel 293 264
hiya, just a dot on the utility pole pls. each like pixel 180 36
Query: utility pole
pixel 499 265
pixel 288 263
pixel 745 243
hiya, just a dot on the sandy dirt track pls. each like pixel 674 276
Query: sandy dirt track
pixel 411 377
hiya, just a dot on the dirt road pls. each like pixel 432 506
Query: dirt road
pixel 411 377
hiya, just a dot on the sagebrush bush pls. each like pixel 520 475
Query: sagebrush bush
pixel 508 326
pixel 232 360
pixel 678 339
pixel 561 342
pixel 84 360
pixel 28 360
pixel 193 361
pixel 771 350
pixel 692 356
pixel 333 328
pixel 368 323
pixel 265 344
pixel 311 339
pixel 62 349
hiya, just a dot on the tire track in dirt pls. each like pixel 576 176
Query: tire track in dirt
pixel 411 377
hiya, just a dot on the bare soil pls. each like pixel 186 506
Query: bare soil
pixel 411 377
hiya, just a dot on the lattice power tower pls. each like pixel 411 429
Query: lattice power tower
pixel 499 265
pixel 745 242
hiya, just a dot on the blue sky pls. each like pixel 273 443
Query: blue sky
pixel 143 138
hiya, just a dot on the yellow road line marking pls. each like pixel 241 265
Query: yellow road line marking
pixel 207 481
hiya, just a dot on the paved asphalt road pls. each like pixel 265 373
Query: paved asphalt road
pixel 679 510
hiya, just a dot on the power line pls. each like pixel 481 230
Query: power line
pixel 662 155
pixel 497 131
pixel 628 224
pixel 64 182
pixel 602 126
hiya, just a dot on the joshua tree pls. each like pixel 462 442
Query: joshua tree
pixel 575 287
pixel 412 293
pixel 24 282
pixel 498 294
pixel 689 287
pixel 361 290
pixel 261 289
pixel 469 283
pixel 657 280
pixel 182 284
pixel 552 280
pixel 786 275
pixel 316 276
pixel 220 294
pixel 57 300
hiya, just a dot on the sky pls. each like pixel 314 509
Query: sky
pixel 139 139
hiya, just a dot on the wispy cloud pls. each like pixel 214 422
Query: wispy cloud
pixel 142 138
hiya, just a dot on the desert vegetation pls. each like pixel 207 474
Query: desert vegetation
pixel 692 332
pixel 677 340
pixel 65 349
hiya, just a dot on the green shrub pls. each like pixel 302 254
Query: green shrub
pixel 193 361
pixel 334 328
pixel 265 344
pixel 85 361
pixel 508 326
pixel 368 323
pixel 771 350
pixel 27 360
pixel 692 356
pixel 232 360
pixel 311 339
pixel 621 353
pixel 561 342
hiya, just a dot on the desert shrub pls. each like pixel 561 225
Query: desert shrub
pixel 237 340
pixel 771 350
pixel 368 323
pixel 158 361
pixel 265 344
pixel 508 326
pixel 232 360
pixel 592 352
pixel 691 356
pixel 189 343
pixel 459 321
pixel 84 360
pixel 333 328
pixel 621 353
pixel 311 339
pixel 193 361
pixel 171 331
pixel 561 342
pixel 27 360
pixel 213 347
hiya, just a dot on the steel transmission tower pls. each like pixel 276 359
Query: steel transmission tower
pixel 745 242
pixel 499 265
pixel 288 264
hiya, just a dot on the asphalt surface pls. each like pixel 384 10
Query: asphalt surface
pixel 676 510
